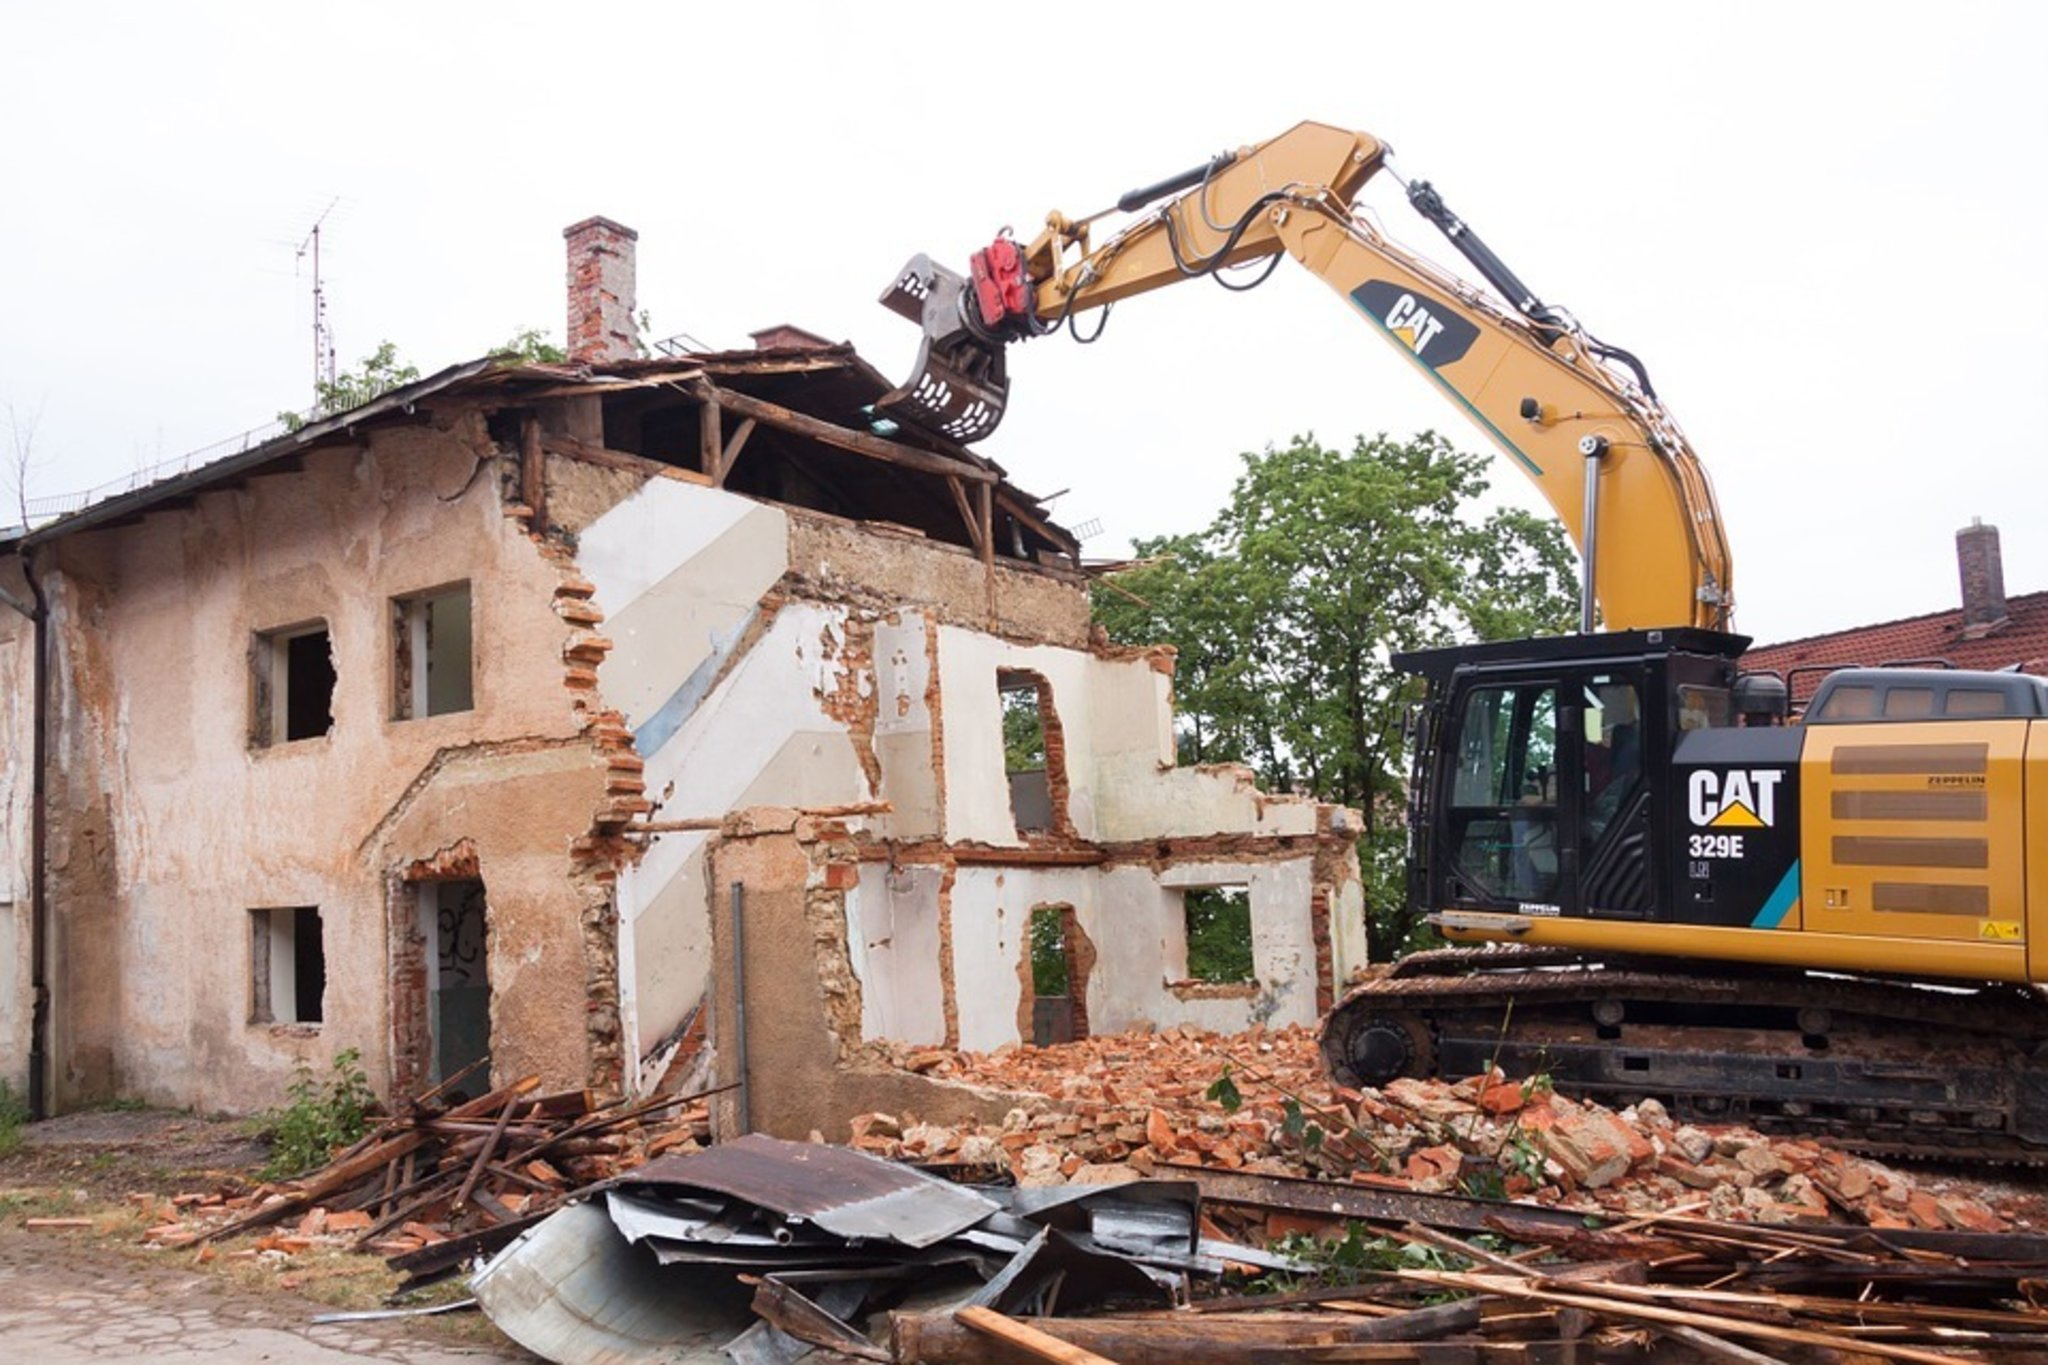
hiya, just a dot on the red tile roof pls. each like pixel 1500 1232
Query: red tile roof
pixel 2022 640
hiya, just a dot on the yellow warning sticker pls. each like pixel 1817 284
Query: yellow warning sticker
pixel 1999 929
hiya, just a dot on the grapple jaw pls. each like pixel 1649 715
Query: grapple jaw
pixel 960 387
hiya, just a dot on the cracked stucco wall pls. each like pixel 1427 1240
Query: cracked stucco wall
pixel 168 828
pixel 751 675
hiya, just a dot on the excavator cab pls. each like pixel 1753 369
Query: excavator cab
pixel 1543 784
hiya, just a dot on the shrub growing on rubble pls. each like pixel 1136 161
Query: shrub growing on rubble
pixel 318 1117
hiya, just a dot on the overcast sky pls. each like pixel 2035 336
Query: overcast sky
pixel 1819 224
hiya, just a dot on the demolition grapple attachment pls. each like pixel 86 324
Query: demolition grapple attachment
pixel 960 387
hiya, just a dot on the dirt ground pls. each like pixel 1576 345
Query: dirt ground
pixel 102 1293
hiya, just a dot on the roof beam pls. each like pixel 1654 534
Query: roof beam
pixel 828 433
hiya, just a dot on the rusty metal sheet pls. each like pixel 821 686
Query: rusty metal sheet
pixel 847 1193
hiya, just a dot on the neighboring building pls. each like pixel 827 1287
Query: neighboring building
pixel 454 727
pixel 1988 631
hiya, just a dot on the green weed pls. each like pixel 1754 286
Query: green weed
pixel 318 1117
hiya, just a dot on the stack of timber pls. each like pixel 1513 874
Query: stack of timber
pixel 1664 1288
pixel 441 1180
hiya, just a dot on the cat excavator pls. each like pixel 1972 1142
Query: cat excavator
pixel 1655 882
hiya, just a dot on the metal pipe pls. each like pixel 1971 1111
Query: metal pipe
pixel 1593 448
pixel 739 1002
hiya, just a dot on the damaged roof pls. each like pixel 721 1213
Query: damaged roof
pixel 798 428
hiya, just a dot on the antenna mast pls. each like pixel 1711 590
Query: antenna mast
pixel 323 336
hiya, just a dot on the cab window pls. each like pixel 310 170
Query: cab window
pixel 1504 792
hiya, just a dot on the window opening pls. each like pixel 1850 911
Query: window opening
pixel 432 666
pixel 1025 697
pixel 288 966
pixel 293 681
pixel 1219 933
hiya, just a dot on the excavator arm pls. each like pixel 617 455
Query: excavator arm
pixel 1577 417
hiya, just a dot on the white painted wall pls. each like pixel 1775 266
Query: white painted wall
pixel 1135 918
pixel 1118 720
pixel 893 936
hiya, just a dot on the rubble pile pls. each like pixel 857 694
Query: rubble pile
pixel 441 1179
pixel 1125 1106
pixel 763 1250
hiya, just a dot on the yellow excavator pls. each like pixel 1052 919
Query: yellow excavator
pixel 1657 885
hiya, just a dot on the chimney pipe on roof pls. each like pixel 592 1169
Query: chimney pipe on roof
pixel 601 301
pixel 1983 574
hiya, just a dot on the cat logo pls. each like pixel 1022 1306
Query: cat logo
pixel 1411 322
pixel 1741 798
pixel 1431 329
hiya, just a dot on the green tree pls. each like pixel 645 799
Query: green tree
pixel 376 373
pixel 1287 607
pixel 530 345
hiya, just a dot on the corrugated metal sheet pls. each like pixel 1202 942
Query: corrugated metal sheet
pixel 573 1290
pixel 847 1193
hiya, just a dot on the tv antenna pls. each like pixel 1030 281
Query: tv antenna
pixel 323 335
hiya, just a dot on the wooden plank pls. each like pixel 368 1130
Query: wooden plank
pixel 570 448
pixel 829 433
pixel 711 440
pixel 1657 1314
pixel 1039 1345
pixel 484 1154
pixel 973 522
pixel 1043 527
pixel 533 479
pixel 732 450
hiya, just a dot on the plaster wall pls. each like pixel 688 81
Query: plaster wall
pixel 1134 916
pixel 896 941
pixel 169 827
pixel 17 741
pixel 1117 718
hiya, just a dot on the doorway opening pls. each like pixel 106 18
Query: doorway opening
pixel 443 1009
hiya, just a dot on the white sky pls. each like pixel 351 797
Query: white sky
pixel 1819 225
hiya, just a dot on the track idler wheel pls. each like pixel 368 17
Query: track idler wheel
pixel 1375 1050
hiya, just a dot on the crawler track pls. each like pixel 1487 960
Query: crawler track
pixel 1884 1067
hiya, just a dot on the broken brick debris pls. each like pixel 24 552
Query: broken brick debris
pixel 1122 1106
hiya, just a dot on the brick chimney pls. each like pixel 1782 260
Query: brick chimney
pixel 1983 578
pixel 601 300
pixel 785 336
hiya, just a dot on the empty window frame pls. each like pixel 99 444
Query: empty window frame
pixel 291 684
pixel 1024 697
pixel 1219 933
pixel 431 653
pixel 287 966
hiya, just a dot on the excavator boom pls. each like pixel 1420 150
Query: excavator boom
pixel 1567 410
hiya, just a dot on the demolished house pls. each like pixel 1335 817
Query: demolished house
pixel 596 721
